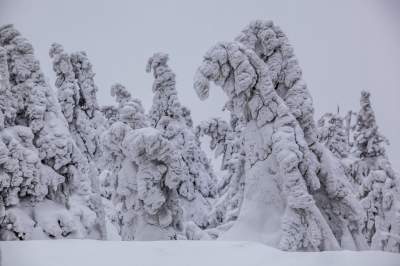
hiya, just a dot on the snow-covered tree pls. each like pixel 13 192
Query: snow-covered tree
pixel 378 183
pixel 226 141
pixel 77 97
pixel 143 174
pixel 270 147
pixel 127 116
pixel 270 43
pixel 173 120
pixel 325 175
pixel 368 140
pixel 281 170
pixel 165 99
pixel 151 203
pixel 46 191
pixel 332 133
pixel 130 110
pixel 110 113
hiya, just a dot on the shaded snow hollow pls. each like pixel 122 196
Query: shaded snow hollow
pixel 177 253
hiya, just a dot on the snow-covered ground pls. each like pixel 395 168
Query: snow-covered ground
pixel 177 253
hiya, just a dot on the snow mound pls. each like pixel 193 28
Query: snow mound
pixel 177 253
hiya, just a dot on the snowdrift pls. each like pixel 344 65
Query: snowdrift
pixel 177 253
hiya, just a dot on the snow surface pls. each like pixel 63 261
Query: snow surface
pixel 177 253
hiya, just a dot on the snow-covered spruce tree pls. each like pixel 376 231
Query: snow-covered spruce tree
pixel 368 140
pixel 129 114
pixel 152 208
pixel 277 208
pixel 173 120
pixel 147 171
pixel 77 97
pixel 379 185
pixel 332 133
pixel 45 186
pixel 130 110
pixel 288 219
pixel 226 141
pixel 121 119
pixel 325 175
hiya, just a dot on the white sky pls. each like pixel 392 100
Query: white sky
pixel 343 46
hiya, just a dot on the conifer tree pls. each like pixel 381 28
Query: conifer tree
pixel 46 190
pixel 332 134
pixel 173 120
pixel 273 143
pixel 378 183
pixel 226 141
pixel 324 177
pixel 77 97
pixel 143 171
pixel 368 140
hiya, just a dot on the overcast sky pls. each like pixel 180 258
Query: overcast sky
pixel 343 46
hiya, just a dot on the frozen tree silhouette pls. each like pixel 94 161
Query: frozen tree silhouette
pixel 173 120
pixel 325 174
pixel 332 133
pixel 77 97
pixel 226 141
pixel 273 144
pixel 46 190
pixel 378 183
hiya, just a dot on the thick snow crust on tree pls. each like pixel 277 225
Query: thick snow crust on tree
pixel 271 129
pixel 376 182
pixel 332 133
pixel 77 97
pixel 167 114
pixel 78 101
pixel 225 141
pixel 143 171
pixel 46 190
pixel 70 168
pixel 272 46
pixel 244 77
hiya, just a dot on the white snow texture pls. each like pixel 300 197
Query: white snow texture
pixel 70 168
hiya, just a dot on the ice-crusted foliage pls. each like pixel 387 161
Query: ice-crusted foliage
pixel 381 201
pixel 332 133
pixel 222 138
pixel 271 44
pixel 228 143
pixel 130 110
pixel 127 116
pixel 274 145
pixel 165 99
pixel 77 97
pixel 110 113
pixel 330 181
pixel 84 74
pixel 45 186
pixel 186 115
pixel 175 123
pixel 143 175
pixel 121 94
pixel 368 140
pixel 152 205
pixel 378 184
